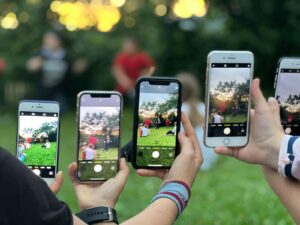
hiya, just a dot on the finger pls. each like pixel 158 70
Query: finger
pixel 190 133
pixel 152 173
pixel 72 171
pixel 274 106
pixel 58 182
pixel 259 100
pixel 226 151
pixel 123 173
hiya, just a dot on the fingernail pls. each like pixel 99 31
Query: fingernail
pixel 272 100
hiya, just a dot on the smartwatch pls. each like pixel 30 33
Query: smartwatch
pixel 98 214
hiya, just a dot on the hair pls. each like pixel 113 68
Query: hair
pixel 57 35
pixel 191 95
pixel 133 40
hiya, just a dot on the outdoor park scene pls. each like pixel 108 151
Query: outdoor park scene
pixel 157 119
pixel 229 96
pixel 99 133
pixel 90 40
pixel 37 140
pixel 289 101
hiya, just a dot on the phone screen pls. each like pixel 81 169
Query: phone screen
pixel 228 99
pixel 98 136
pixel 37 142
pixel 288 96
pixel 157 126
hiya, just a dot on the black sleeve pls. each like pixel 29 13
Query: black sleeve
pixel 25 198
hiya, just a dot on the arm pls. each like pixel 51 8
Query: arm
pixel 34 64
pixel 162 212
pixel 287 191
pixel 121 77
pixel 185 168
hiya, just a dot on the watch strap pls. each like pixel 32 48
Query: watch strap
pixel 98 214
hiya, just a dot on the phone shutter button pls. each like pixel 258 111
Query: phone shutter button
pixel 97 168
pixel 226 141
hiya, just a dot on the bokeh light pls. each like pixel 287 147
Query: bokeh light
pixel 161 10
pixel 10 21
pixel 187 8
pixel 81 15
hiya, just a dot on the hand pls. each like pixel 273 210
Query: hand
pixel 58 182
pixel 35 64
pixel 265 132
pixel 91 195
pixel 187 163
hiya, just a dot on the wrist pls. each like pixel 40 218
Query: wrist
pixel 272 156
pixel 97 204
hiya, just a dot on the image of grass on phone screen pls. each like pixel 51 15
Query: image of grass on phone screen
pixel 157 119
pixel 229 101
pixel 37 142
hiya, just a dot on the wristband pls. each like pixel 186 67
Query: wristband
pixel 98 214
pixel 176 191
pixel 289 158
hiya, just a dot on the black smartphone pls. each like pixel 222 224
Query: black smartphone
pixel 287 93
pixel 98 135
pixel 38 137
pixel 157 119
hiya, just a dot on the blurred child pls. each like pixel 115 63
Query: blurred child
pixel 196 112
pixel 144 130
pixel 21 154
pixel 90 153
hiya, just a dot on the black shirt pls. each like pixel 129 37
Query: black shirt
pixel 25 198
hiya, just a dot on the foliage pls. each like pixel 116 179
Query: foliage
pixel 103 119
pixel 160 108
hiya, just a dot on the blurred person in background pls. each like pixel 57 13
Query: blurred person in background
pixel 195 109
pixel 52 66
pixel 129 65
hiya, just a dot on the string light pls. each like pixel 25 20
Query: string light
pixel 9 21
pixel 187 8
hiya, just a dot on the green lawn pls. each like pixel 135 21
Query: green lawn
pixel 36 155
pixel 239 118
pixel 232 193
pixel 157 137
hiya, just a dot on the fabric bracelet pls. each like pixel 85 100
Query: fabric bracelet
pixel 289 157
pixel 176 191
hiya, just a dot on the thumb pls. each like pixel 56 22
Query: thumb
pixel 274 107
pixel 259 100
pixel 58 182
pixel 123 173
pixel 186 145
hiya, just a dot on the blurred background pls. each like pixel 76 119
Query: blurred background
pixel 89 36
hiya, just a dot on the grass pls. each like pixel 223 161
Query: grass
pixel 238 118
pixel 36 155
pixel 233 193
pixel 157 137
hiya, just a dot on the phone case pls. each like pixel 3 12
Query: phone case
pixel 135 120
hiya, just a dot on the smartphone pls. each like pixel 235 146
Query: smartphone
pixel 228 78
pixel 38 137
pixel 157 119
pixel 98 135
pixel 287 93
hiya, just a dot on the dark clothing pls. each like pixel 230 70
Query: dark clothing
pixel 25 199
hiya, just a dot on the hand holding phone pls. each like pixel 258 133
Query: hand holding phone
pixel 98 135
pixel 38 137
pixel 156 122
pixel 229 76
pixel 287 93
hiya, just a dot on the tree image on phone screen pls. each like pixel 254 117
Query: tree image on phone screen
pixel 288 97
pixel 37 141
pixel 157 124
pixel 98 141
pixel 228 99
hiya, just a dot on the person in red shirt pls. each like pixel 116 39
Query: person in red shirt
pixel 130 64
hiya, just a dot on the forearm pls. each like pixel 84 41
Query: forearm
pixel 161 212
pixel 121 77
pixel 287 191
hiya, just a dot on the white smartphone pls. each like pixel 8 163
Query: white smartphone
pixel 38 137
pixel 287 93
pixel 228 78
